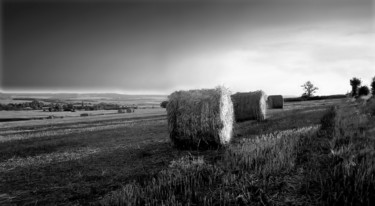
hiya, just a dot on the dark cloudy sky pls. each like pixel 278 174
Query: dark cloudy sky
pixel 162 46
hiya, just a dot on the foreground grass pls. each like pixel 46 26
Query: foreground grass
pixel 341 159
pixel 331 164
pixel 82 163
pixel 81 167
pixel 253 172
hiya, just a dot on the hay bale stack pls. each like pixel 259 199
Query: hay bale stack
pixel 250 105
pixel 275 102
pixel 200 118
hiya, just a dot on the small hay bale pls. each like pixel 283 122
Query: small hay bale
pixel 275 102
pixel 120 111
pixel 250 106
pixel 84 115
pixel 200 118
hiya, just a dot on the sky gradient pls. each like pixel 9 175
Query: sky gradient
pixel 157 47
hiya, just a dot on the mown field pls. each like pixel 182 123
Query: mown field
pixel 72 117
pixel 125 100
pixel 309 153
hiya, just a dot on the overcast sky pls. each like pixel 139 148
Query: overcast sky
pixel 158 47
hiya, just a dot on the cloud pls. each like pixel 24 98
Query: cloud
pixel 271 45
pixel 329 58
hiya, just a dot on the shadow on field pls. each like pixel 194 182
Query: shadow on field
pixel 281 120
pixel 85 180
pixel 49 143
pixel 29 148
pixel 121 155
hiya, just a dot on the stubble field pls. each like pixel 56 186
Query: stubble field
pixel 128 159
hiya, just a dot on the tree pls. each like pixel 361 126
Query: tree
pixel 355 83
pixel 164 104
pixel 309 89
pixel 373 86
pixel 363 91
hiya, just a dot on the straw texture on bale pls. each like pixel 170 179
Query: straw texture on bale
pixel 275 101
pixel 200 118
pixel 250 105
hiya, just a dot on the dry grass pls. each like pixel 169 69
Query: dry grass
pixel 135 162
pixel 40 160
pixel 280 146
pixel 40 113
pixel 237 178
pixel 331 164
pixel 340 160
pixel 139 113
pixel 11 135
pixel 78 168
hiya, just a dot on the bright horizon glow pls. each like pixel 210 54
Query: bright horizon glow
pixel 79 92
pixel 158 48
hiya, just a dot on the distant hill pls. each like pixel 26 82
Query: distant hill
pixel 5 96
pixel 90 97
pixel 75 95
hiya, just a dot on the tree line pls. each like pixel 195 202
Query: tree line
pixel 355 83
pixel 358 90
pixel 56 107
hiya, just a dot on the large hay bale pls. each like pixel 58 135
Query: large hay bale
pixel 200 118
pixel 275 102
pixel 250 105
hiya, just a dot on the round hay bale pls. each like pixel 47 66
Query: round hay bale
pixel 200 118
pixel 275 102
pixel 250 106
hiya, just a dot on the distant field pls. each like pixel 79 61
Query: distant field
pixel 140 100
pixel 41 113
pixel 109 159
pixel 73 117
pixel 8 101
